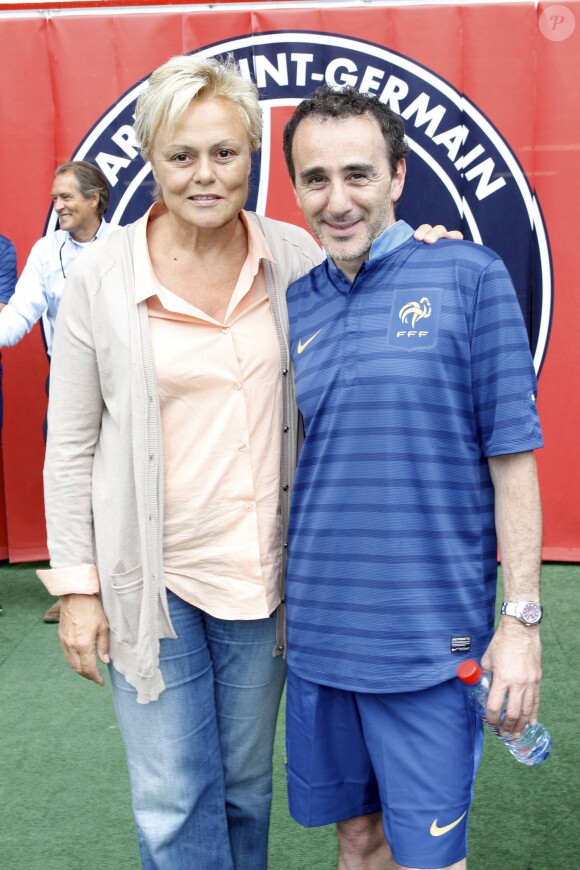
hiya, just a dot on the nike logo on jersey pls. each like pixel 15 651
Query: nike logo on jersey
pixel 436 831
pixel 302 347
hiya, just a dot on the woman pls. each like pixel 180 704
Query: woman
pixel 172 446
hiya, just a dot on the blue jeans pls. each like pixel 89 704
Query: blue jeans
pixel 200 757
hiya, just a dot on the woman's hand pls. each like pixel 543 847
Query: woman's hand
pixel 428 234
pixel 84 635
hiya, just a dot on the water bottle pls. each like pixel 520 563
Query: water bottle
pixel 533 746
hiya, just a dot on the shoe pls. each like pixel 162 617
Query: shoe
pixel 52 615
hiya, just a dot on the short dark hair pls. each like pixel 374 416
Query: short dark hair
pixel 90 180
pixel 327 102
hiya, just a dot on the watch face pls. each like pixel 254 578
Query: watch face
pixel 531 612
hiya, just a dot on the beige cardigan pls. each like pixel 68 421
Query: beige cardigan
pixel 103 475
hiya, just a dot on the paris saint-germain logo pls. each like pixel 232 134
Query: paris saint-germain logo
pixel 461 172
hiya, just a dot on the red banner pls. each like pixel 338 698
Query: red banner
pixel 489 96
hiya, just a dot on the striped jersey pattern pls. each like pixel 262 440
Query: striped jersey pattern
pixel 408 378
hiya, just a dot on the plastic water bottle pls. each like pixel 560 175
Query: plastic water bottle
pixel 533 746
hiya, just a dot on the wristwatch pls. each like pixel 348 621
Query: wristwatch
pixel 528 612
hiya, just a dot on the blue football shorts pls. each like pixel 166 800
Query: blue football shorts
pixel 412 756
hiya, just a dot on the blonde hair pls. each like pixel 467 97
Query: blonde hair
pixel 184 78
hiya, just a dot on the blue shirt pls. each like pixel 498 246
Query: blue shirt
pixel 7 282
pixel 408 378
pixel 7 269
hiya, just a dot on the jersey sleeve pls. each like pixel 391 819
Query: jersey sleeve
pixel 503 378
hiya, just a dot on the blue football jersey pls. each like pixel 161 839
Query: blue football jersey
pixel 408 379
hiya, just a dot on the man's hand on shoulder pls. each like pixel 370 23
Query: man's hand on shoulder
pixel 428 234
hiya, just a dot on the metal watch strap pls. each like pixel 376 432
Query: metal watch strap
pixel 517 610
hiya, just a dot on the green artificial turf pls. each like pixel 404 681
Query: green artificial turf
pixel 64 793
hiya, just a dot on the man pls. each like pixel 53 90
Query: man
pixel 80 196
pixel 415 382
pixel 7 284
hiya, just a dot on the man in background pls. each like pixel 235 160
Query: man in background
pixel 80 196
pixel 7 285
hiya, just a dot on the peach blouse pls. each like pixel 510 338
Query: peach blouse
pixel 221 409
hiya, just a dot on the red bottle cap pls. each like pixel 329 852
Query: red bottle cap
pixel 469 672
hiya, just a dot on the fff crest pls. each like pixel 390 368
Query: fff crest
pixel 415 318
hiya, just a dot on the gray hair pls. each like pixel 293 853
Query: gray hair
pixel 90 180
pixel 172 87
